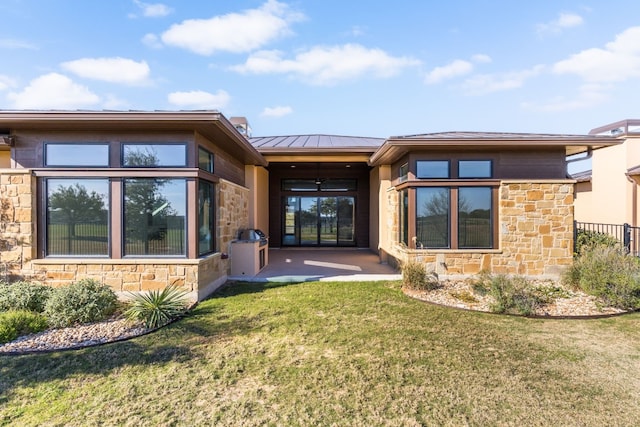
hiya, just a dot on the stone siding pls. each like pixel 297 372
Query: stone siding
pixel 17 226
pixel 198 276
pixel 535 234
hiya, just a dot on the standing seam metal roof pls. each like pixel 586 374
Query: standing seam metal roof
pixel 315 141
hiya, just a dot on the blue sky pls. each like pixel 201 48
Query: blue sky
pixel 336 67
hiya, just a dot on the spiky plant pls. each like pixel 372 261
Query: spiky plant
pixel 157 308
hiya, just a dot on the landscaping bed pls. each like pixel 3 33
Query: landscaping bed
pixel 461 294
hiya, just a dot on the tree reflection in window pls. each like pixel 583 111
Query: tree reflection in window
pixel 77 217
pixel 154 212
pixel 474 217
pixel 432 217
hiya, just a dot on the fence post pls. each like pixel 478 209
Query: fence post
pixel 627 237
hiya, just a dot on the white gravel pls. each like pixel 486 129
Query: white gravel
pixel 76 336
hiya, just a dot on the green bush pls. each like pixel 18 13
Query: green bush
pixel 586 239
pixel 510 294
pixel 415 276
pixel 157 308
pixel 15 323
pixel 24 296
pixel 83 301
pixel 609 274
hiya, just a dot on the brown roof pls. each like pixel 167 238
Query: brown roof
pixel 396 147
pixel 211 124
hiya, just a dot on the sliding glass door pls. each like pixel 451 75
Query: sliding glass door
pixel 319 221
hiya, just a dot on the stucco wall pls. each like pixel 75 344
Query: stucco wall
pixel 535 234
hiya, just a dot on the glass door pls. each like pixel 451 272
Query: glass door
pixel 319 221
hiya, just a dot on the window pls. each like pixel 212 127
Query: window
pixel 474 169
pixel 432 169
pixel 299 185
pixel 77 217
pixel 403 173
pixel 474 217
pixel 339 185
pixel 69 155
pixel 404 217
pixel 154 216
pixel 473 208
pixel 154 155
pixel 432 217
pixel 206 218
pixel 205 160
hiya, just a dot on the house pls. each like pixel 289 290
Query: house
pixel 139 200
pixel 608 193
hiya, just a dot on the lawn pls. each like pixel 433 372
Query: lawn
pixel 337 354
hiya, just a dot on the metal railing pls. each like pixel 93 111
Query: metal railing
pixel 626 235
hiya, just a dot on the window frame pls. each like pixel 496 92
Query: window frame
pixel 45 154
pixel 490 161
pixel 211 161
pixel 160 144
pixel 435 161
pixel 213 218
pixel 46 216
pixel 185 230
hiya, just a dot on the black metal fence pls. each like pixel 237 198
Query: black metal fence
pixel 626 235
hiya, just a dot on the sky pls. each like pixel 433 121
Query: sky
pixel 374 69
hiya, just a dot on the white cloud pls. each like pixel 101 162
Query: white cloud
pixel 488 83
pixel 276 112
pixel 200 100
pixel 327 65
pixel 617 62
pixel 481 58
pixel 152 41
pixel 113 70
pixel 456 68
pixel 6 82
pixel 564 21
pixel 449 71
pixel 234 32
pixel 589 95
pixel 113 102
pixel 16 44
pixel 153 10
pixel 53 91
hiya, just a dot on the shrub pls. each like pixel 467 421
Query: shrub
pixel 414 276
pixel 609 274
pixel 586 239
pixel 510 294
pixel 83 301
pixel 15 323
pixel 24 296
pixel 157 308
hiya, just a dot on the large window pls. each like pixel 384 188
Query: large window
pixel 206 218
pixel 432 217
pixel 154 216
pixel 74 155
pixel 435 208
pixel 154 155
pixel 77 217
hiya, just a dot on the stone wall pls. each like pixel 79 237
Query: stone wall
pixel 198 276
pixel 535 234
pixel 17 226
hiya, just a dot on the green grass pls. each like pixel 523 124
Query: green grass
pixel 337 354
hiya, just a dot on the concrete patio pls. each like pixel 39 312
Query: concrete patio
pixel 335 264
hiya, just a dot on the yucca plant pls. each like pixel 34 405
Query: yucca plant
pixel 157 308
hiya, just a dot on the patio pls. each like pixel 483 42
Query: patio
pixel 305 265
